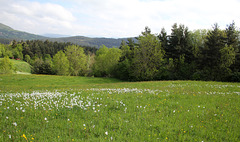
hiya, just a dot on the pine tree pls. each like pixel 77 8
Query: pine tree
pixel 148 57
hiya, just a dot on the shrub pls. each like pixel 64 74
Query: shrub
pixel 6 66
pixel 235 77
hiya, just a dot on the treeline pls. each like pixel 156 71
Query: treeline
pixel 39 54
pixel 181 55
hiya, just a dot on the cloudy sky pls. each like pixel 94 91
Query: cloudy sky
pixel 115 18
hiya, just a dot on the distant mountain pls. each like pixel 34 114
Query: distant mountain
pixel 55 35
pixel 93 42
pixel 7 34
pixel 5 27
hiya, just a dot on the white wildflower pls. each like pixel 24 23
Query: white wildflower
pixel 14 123
pixel 106 133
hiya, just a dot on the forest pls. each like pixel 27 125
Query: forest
pixel 181 55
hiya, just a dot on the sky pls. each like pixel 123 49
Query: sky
pixel 115 18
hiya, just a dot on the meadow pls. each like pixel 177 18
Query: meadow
pixel 62 108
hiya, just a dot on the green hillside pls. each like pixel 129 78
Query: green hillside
pixel 7 32
pixel 5 27
pixel 21 67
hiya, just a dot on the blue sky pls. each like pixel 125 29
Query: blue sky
pixel 115 18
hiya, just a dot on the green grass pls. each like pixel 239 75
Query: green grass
pixel 60 108
pixel 18 82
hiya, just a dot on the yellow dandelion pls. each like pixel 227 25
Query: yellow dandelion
pixel 166 138
pixel 24 136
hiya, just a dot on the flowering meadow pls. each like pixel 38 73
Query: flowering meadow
pixel 119 111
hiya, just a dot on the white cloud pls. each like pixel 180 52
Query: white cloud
pixel 129 17
pixel 116 18
pixel 36 17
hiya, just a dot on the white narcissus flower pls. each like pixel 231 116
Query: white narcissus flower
pixel 15 124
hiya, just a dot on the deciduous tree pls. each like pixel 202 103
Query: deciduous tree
pixel 77 60
pixel 106 60
pixel 6 66
pixel 60 63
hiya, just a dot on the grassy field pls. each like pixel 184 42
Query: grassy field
pixel 59 108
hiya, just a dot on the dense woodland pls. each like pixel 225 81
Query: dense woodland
pixel 181 55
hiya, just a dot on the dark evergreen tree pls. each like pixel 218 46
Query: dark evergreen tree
pixel 233 40
pixel 211 60
pixel 164 39
pixel 148 57
pixel 179 43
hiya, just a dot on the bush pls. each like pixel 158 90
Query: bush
pixel 197 75
pixel 235 77
pixel 6 66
